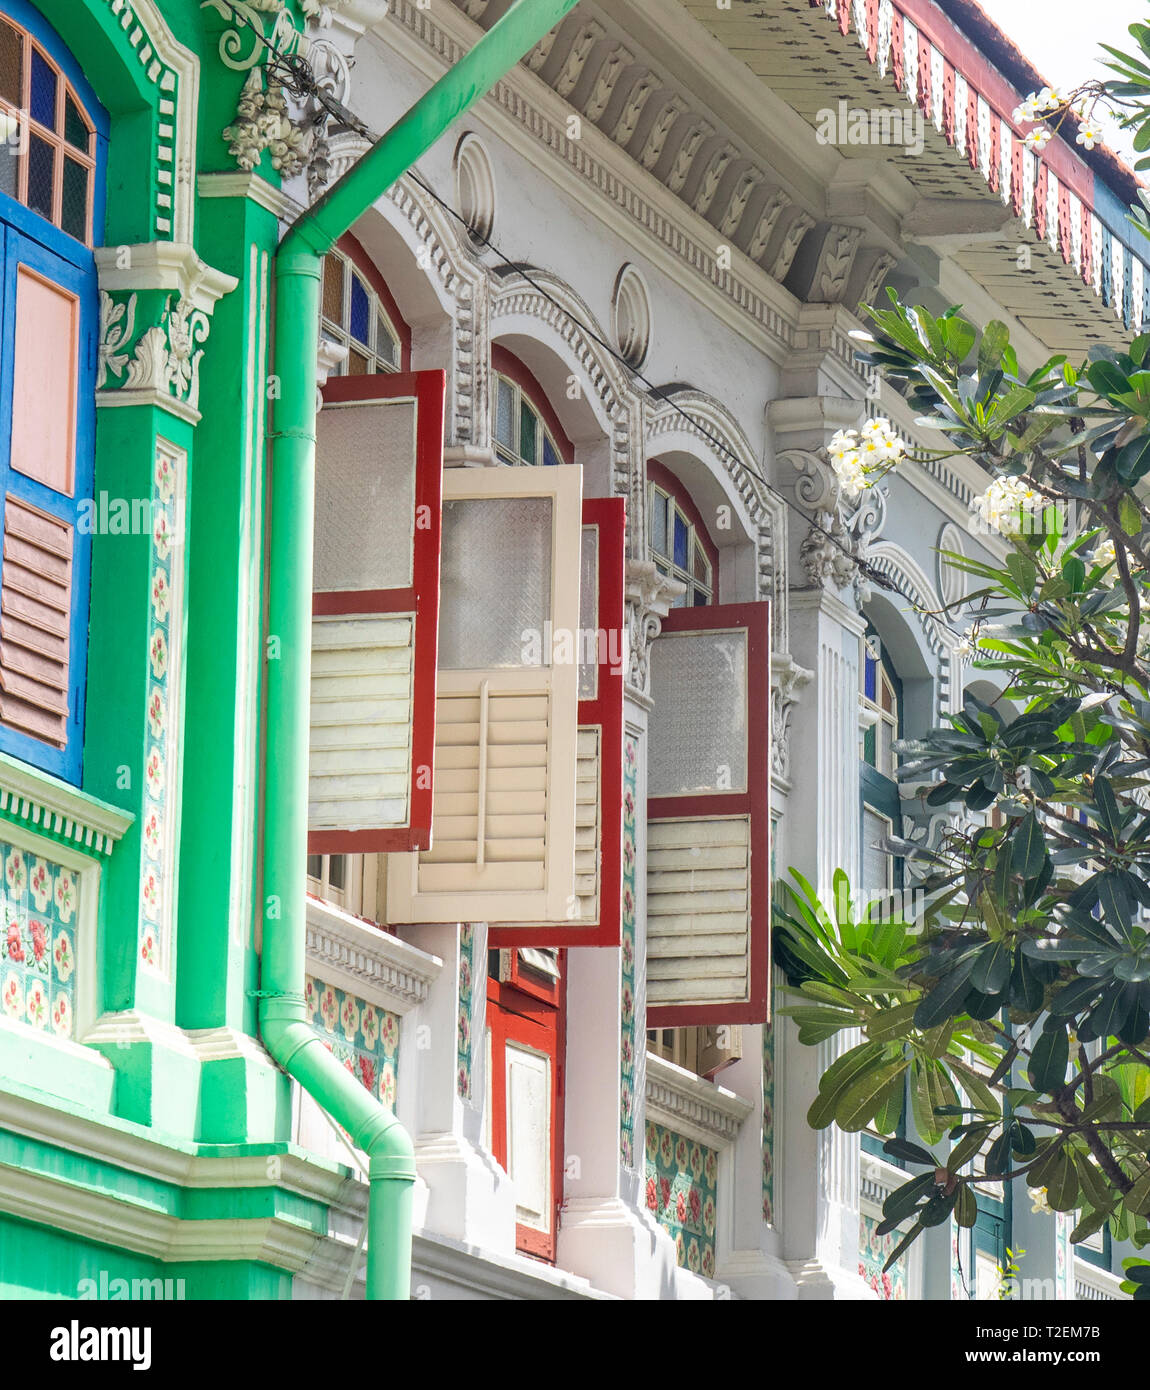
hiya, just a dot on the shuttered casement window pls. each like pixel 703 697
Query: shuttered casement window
pixel 47 429
pixel 379 476
pixel 599 752
pixel 503 834
pixel 708 818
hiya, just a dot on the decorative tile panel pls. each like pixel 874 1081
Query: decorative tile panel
pixel 161 737
pixel 768 1123
pixel 627 1019
pixel 682 1194
pixel 874 1251
pixel 39 901
pixel 364 1037
pixel 466 992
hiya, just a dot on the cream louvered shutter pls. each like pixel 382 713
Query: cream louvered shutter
pixel 503 831
pixel 708 818
pixel 379 472
pixel 599 749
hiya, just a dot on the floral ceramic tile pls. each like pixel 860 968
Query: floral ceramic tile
pixel 39 901
pixel 682 1194
pixel 627 1020
pixel 364 1037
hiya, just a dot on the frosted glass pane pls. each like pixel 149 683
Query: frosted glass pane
pixel 699 724
pixel 878 868
pixel 495 590
pixel 528 1092
pixel 365 496
pixel 588 611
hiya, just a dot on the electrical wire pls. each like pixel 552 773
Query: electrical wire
pixel 297 75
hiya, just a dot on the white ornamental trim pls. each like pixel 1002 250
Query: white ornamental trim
pixel 691 1106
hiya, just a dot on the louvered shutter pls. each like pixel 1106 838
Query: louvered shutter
pixel 708 819
pixel 599 750
pixel 46 448
pixel 503 834
pixel 379 474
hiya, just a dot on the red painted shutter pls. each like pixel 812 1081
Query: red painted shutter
pixel 379 487
pixel 708 818
pixel 599 775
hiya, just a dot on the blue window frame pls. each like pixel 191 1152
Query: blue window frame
pixel 44 619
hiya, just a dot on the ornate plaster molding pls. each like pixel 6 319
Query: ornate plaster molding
pixel 649 596
pixel 691 1106
pixel 163 362
pixel 371 963
pixel 788 679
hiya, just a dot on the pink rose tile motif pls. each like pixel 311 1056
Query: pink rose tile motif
pixel 38 903
pixel 466 999
pixel 627 1018
pixel 682 1194
pixel 160 747
pixel 364 1037
pixel 874 1250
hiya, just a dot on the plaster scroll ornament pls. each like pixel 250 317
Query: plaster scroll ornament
pixel 247 44
pixel 117 329
pixel 649 597
pixel 787 681
pixel 165 358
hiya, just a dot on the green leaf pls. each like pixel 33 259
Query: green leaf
pixel 1062 1183
pixel 1028 847
pixel 902 1201
pixel 857 1107
pixel 992 968
pixel 1049 1058
pixel 889 1024
pixel 965 1207
pixel 1138 1198
pixel 1129 515
pixel 995 338
pixel 907 1240
pixel 945 1000
pixel 912 1153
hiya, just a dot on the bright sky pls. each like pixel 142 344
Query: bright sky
pixel 1061 38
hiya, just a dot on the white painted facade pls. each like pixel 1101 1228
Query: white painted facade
pixel 757 358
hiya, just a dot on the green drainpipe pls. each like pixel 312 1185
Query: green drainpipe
pixel 284 1024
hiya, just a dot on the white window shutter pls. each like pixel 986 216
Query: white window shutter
pixel 708 818
pixel 597 920
pixel 379 472
pixel 503 829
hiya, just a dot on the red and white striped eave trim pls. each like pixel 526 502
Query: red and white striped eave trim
pixel 1051 192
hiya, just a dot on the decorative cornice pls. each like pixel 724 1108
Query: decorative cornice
pixel 163 265
pixel 240 184
pixel 45 805
pixel 691 1106
pixel 371 963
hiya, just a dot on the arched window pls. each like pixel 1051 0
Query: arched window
pixel 526 429
pixel 360 314
pixel 681 546
pixel 51 210
pixel 48 141
pixel 880 717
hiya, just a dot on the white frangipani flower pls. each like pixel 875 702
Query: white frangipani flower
pixel 1009 505
pixel 858 456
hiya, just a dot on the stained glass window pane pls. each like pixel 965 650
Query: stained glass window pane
pixel 869 675
pixel 885 763
pixel 75 127
pixel 505 413
pixel 496 583
pixel 357 364
pixel 9 154
pixel 659 523
pixel 333 289
pixel 699 733
pixel 11 63
pixel 41 173
pixel 550 457
pixel 700 568
pixel 681 537
pixel 701 599
pixel 43 103
pixel 74 208
pixel 360 311
pixel 528 434
pixel 385 344
pixel 887 694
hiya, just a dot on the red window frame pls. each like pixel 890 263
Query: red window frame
pixel 609 514
pixel 755 802
pixel 354 250
pixel 505 363
pixel 662 476
pixel 532 1012
pixel 422 598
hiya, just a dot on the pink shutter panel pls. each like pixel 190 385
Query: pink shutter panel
pixel 599 794
pixel 708 818
pixel 379 491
